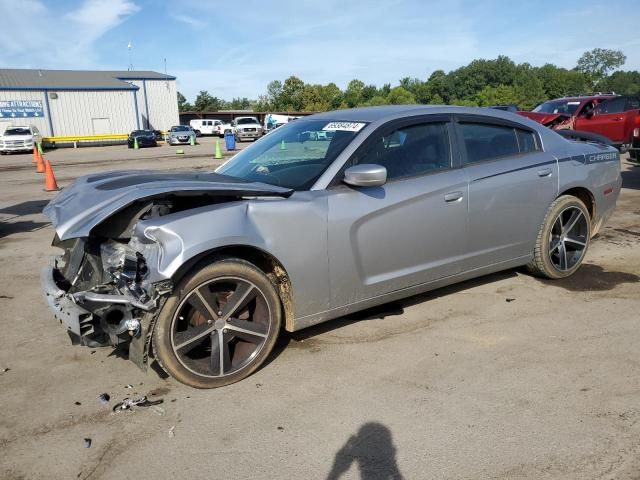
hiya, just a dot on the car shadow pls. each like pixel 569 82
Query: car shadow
pixel 25 208
pixel 381 312
pixel 631 178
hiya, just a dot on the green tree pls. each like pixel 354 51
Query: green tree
pixel 292 89
pixel 500 95
pixel 353 93
pixel 597 63
pixel 274 96
pixel 626 83
pixel 205 102
pixel 183 105
pixel 400 96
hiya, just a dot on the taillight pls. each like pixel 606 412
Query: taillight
pixel 636 132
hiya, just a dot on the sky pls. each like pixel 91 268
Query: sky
pixel 234 49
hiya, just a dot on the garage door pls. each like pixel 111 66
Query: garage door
pixel 101 126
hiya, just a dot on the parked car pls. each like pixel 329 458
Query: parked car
pixel 202 270
pixel 224 127
pixel 146 138
pixel 247 128
pixel 19 139
pixel 181 135
pixel 614 117
pixel 208 126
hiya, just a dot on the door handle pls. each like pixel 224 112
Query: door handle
pixel 618 119
pixel 545 172
pixel 453 197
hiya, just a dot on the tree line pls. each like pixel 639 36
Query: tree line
pixel 480 83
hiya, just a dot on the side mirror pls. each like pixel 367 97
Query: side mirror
pixel 365 175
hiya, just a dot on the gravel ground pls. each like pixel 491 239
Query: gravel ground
pixel 506 376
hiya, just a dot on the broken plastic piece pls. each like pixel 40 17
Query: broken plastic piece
pixel 87 443
pixel 128 403
pixel 104 398
pixel 172 431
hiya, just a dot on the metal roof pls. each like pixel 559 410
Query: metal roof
pixel 25 79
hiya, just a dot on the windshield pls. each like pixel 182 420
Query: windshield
pixel 567 107
pixel 180 128
pixel 293 156
pixel 17 131
pixel 244 121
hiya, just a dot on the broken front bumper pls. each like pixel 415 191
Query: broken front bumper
pixel 75 319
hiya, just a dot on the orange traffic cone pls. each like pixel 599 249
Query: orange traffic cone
pixel 50 184
pixel 39 164
pixel 35 154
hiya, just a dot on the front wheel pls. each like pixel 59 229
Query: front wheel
pixel 219 326
pixel 563 239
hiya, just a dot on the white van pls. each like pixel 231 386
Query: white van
pixel 205 126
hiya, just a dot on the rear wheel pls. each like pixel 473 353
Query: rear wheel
pixel 563 239
pixel 219 326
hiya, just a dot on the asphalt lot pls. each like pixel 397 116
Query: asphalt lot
pixel 502 377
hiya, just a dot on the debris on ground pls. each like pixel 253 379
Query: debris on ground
pixel 78 403
pixel 509 300
pixel 281 428
pixel 172 432
pixel 128 386
pixel 128 403
pixel 87 443
pixel 5 370
pixel 104 398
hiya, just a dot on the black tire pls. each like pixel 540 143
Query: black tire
pixel 195 364
pixel 553 239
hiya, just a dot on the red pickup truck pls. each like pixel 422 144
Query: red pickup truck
pixel 616 117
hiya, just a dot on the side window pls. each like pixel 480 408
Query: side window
pixel 411 151
pixel 486 142
pixel 526 141
pixel 633 103
pixel 612 106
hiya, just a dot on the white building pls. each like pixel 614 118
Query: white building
pixel 65 103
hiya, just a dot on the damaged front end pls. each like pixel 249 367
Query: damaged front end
pixel 107 286
pixel 104 293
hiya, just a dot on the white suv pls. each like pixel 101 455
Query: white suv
pixel 247 128
pixel 19 139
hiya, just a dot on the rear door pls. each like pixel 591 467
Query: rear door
pixel 608 120
pixel 410 230
pixel 512 182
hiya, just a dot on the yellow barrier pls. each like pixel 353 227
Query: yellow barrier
pixel 88 138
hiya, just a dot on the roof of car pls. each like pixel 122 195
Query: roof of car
pixel 390 112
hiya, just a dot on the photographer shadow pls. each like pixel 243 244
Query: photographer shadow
pixel 373 450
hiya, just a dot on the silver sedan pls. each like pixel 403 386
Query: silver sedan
pixel 201 271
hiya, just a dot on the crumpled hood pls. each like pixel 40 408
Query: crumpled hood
pixel 544 118
pixel 93 198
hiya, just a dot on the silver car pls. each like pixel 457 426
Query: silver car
pixel 181 135
pixel 201 271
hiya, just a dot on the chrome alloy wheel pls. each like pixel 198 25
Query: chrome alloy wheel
pixel 568 239
pixel 220 326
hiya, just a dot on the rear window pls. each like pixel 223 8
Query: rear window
pixel 485 142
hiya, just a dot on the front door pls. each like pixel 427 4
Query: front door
pixel 608 119
pixel 411 230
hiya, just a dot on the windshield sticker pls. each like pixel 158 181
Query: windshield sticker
pixel 573 103
pixel 344 126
